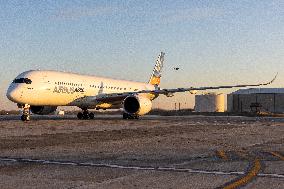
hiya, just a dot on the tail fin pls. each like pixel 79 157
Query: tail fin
pixel 156 75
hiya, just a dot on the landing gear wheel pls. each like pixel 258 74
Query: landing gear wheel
pixel 91 115
pixel 125 116
pixel 85 115
pixel 26 113
pixel 129 116
pixel 80 115
pixel 25 117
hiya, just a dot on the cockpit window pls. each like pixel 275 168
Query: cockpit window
pixel 23 80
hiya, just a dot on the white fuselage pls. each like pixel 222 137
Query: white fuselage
pixel 53 88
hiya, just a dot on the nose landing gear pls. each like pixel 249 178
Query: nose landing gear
pixel 26 113
pixel 85 115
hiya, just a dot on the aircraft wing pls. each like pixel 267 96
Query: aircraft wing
pixel 192 89
pixel 114 97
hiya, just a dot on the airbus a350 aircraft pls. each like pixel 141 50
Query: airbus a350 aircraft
pixel 41 92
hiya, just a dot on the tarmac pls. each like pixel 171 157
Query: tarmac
pixel 153 152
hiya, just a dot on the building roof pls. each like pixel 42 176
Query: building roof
pixel 259 90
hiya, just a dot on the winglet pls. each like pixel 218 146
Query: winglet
pixel 271 80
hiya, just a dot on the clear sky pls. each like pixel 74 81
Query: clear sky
pixel 214 42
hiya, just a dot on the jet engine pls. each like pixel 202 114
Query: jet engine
pixel 137 105
pixel 43 110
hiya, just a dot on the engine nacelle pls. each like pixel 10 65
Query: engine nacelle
pixel 43 110
pixel 137 105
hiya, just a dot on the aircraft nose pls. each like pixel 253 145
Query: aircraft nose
pixel 13 94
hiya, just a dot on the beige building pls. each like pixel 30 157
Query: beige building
pixel 256 100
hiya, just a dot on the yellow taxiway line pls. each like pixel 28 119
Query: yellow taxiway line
pixel 247 178
pixel 277 155
pixel 222 154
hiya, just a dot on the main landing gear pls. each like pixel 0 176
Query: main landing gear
pixel 129 116
pixel 85 115
pixel 26 113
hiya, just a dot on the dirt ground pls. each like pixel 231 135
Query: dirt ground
pixel 154 152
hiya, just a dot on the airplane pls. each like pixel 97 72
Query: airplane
pixel 42 91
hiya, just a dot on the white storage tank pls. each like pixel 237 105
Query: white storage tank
pixel 210 102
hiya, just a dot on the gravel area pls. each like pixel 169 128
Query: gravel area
pixel 220 144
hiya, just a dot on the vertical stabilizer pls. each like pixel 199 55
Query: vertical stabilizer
pixel 156 75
